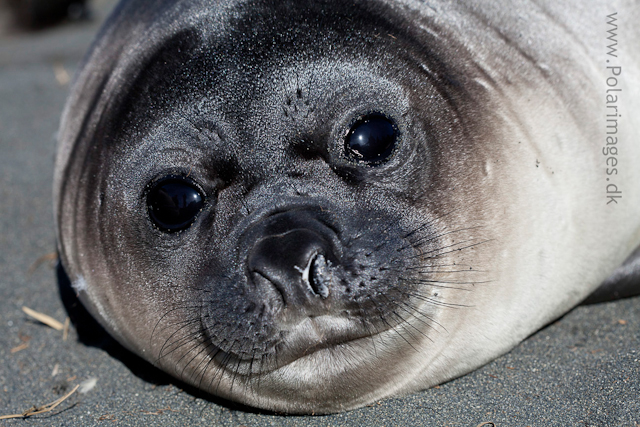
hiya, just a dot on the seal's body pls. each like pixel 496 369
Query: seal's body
pixel 307 206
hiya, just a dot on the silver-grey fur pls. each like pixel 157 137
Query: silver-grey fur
pixel 489 221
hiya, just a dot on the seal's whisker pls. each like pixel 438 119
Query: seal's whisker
pixel 169 343
pixel 435 302
pixel 204 349
pixel 162 318
pixel 432 283
pixel 404 321
pixel 454 282
pixel 171 346
pixel 365 325
pixel 430 233
pixel 427 269
pixel 424 240
pixel 191 339
pixel 412 309
pixel 421 255
pixel 235 370
pixel 197 353
pixel 196 368
pixel 391 327
pixel 428 224
pixel 211 355
pixel 457 249
pixel 222 367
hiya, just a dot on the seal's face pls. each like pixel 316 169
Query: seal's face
pixel 287 218
pixel 268 197
pixel 260 207
pixel 297 205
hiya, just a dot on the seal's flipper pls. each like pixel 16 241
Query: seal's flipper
pixel 623 283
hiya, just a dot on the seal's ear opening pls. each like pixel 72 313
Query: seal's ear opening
pixel 90 333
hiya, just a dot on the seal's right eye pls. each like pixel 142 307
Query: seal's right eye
pixel 371 139
pixel 174 203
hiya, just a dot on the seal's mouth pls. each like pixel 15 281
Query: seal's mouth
pixel 310 336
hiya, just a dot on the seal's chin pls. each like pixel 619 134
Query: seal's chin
pixel 325 365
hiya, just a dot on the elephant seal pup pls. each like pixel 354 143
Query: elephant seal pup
pixel 307 206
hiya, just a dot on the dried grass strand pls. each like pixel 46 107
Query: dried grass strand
pixel 41 409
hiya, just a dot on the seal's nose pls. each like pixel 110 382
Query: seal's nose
pixel 293 261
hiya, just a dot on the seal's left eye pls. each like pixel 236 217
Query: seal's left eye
pixel 174 203
pixel 371 139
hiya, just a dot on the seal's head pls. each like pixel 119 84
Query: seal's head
pixel 292 205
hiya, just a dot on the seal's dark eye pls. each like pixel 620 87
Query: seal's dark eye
pixel 371 139
pixel 174 203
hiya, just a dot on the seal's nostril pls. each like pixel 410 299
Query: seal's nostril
pixel 314 275
pixel 319 278
pixel 304 271
pixel 294 262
